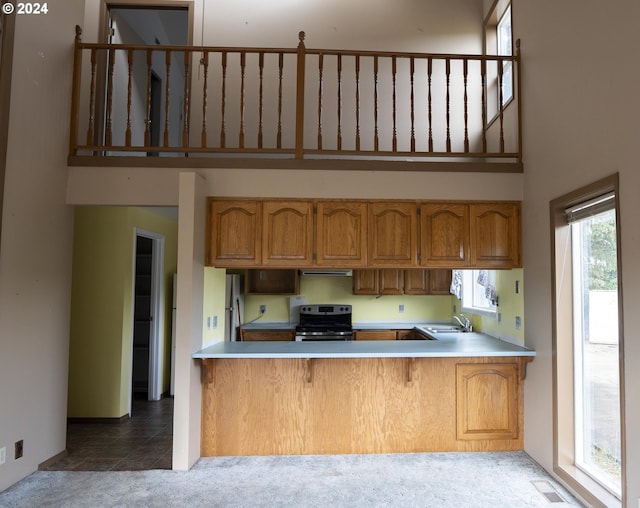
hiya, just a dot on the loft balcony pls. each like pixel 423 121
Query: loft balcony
pixel 192 106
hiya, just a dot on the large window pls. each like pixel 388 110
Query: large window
pixel 595 335
pixel 587 343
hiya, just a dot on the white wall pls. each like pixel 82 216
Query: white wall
pixel 35 255
pixel 580 107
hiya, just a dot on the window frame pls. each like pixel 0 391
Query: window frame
pixel 564 432
pixel 490 42
pixel 469 278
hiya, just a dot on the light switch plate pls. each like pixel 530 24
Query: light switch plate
pixel 3 455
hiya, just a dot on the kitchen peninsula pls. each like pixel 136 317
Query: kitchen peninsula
pixel 460 392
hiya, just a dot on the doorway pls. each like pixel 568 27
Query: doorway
pixel 151 87
pixel 147 361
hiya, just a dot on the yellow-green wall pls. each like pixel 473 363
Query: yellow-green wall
pixel 324 289
pixel 213 304
pixel 511 304
pixel 369 309
pixel 102 306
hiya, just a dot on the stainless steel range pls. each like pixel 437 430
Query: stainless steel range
pixel 324 322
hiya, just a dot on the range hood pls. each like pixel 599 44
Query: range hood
pixel 328 272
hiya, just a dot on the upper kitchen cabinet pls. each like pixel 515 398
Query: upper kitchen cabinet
pixel 444 235
pixel 341 233
pixel 366 282
pixel 440 282
pixel 416 281
pixel 393 228
pixel 287 238
pixel 495 235
pixel 233 232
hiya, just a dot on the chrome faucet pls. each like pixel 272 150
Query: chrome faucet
pixel 465 323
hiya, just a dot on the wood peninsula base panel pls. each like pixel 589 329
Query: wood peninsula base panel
pixel 361 405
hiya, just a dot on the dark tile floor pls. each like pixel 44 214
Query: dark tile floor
pixel 143 441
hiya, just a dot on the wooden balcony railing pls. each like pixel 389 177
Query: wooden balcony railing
pixel 140 100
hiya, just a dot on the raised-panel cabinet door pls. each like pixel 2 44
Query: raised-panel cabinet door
pixel 488 401
pixel 390 281
pixel 495 235
pixel 440 282
pixel 287 238
pixel 416 281
pixel 233 233
pixel 393 234
pixel 341 233
pixel 365 282
pixel 444 235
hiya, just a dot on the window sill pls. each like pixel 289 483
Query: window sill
pixel 587 488
pixel 482 312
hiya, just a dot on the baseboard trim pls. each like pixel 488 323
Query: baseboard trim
pixel 45 465
pixel 76 419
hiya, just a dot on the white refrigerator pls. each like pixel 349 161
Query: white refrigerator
pixel 234 307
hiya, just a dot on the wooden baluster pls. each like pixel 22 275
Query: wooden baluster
pixel 393 81
pixel 320 85
pixel 205 71
pixel 187 100
pixel 243 62
pixel 109 120
pixel 357 103
pixel 279 133
pixel 339 133
pixel 516 76
pixel 412 70
pixel 300 78
pixel 375 104
pixel 429 106
pixel 74 120
pixel 127 134
pixel 261 96
pixel 448 103
pixel 500 98
pixel 483 91
pixel 465 71
pixel 92 99
pixel 167 94
pixel 147 110
pixel 223 100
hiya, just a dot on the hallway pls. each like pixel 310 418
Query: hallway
pixel 141 442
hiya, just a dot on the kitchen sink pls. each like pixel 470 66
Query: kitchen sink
pixel 443 329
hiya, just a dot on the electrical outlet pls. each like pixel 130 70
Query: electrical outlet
pixel 215 321
pixel 208 322
pixel 19 449
pixel 455 311
pixel 401 307
pixel 499 317
pixel 263 309
pixel 3 455
pixel 518 322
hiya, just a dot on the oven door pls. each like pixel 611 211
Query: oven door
pixel 302 336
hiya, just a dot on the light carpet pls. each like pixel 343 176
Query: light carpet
pixel 504 479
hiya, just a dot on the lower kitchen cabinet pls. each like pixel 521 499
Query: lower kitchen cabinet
pixel 374 334
pixel 377 405
pixel 260 335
